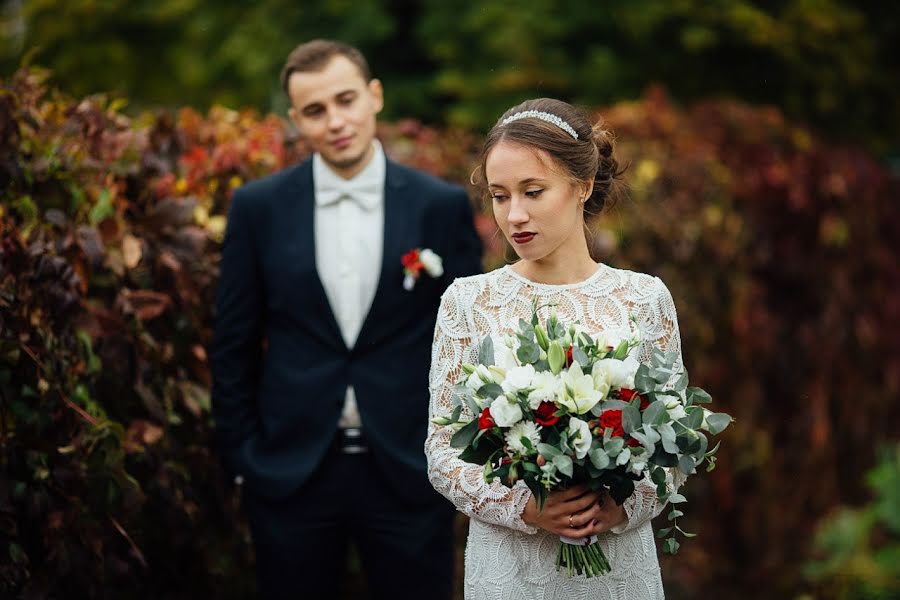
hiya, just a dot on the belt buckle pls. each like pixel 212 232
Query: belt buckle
pixel 352 441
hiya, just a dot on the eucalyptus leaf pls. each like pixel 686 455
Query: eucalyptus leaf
pixel 564 464
pixel 548 451
pixel 490 390
pixel 698 396
pixel 580 357
pixel 667 433
pixel 486 352
pixel 676 498
pixel 631 418
pixel 528 353
pixel 614 446
pixel 599 458
pixel 656 414
pixel 694 418
pixel 464 436
pixel 717 422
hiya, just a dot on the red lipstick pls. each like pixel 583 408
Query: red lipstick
pixel 524 237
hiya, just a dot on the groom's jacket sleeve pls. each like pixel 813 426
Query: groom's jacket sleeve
pixel 237 339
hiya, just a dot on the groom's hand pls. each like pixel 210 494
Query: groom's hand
pixel 571 513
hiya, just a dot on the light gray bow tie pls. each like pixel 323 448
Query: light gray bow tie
pixel 366 194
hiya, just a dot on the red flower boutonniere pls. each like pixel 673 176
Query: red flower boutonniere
pixel 417 260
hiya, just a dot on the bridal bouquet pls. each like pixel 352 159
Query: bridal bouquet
pixel 555 406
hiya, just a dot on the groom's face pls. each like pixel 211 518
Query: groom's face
pixel 334 110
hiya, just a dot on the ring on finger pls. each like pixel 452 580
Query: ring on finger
pixel 570 522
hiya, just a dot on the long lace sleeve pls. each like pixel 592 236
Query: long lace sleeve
pixel 463 483
pixel 660 326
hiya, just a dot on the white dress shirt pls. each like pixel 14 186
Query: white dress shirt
pixel 349 230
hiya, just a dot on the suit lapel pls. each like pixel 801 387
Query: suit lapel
pixel 321 314
pixel 397 224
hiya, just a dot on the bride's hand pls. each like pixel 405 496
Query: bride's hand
pixel 571 513
pixel 609 516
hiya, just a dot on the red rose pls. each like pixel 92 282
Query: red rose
pixel 544 414
pixel 632 443
pixel 613 420
pixel 485 421
pixel 569 357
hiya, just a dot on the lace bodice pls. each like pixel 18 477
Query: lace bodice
pixel 512 557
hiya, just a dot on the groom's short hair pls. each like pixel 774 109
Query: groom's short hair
pixel 316 54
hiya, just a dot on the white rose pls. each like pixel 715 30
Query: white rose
pixel 579 437
pixel 433 263
pixel 523 429
pixel 545 387
pixel 578 394
pixel 619 373
pixel 518 379
pixel 505 413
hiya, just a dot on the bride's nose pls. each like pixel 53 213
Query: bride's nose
pixel 517 213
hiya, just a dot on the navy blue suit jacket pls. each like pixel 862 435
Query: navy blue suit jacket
pixel 280 366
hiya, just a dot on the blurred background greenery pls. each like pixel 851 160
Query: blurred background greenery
pixel 825 62
pixel 762 139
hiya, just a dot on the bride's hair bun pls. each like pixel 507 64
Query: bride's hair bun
pixel 585 151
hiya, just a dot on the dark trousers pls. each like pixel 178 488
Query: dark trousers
pixel 301 542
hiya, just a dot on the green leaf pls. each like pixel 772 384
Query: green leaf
pixel 656 414
pixel 580 357
pixel 631 418
pixel 664 532
pixel 670 546
pixel 486 352
pixel 675 513
pixel 686 464
pixel 717 422
pixel 564 464
pixel 464 436
pixel 614 446
pixel 548 451
pixel 599 458
pixel 642 380
pixel 676 498
pixel 528 353
pixel 694 418
pixel 698 396
pixel 658 475
pixel 490 390
pixel 667 433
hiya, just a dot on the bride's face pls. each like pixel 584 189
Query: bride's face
pixel 535 205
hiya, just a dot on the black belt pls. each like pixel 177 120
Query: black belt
pixel 350 440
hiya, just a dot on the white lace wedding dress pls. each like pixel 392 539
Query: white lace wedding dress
pixel 505 558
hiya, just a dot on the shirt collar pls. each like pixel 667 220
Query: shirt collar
pixel 366 188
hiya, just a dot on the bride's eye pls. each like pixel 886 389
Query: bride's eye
pixel 498 197
pixel 534 193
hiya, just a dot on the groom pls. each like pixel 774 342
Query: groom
pixel 321 353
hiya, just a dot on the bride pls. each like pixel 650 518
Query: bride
pixel 546 169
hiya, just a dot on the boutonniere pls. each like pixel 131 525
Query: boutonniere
pixel 417 260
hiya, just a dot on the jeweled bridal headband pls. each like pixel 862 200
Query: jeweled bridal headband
pixel 543 116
